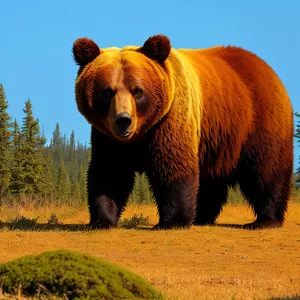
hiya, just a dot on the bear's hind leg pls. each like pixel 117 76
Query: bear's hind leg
pixel 267 194
pixel 212 195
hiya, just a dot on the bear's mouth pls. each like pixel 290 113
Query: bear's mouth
pixel 124 133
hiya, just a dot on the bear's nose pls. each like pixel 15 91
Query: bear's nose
pixel 123 121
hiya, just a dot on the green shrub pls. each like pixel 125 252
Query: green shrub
pixel 73 275
pixel 135 221
pixel 53 220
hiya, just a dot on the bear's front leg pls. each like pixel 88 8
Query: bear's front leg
pixel 107 195
pixel 176 202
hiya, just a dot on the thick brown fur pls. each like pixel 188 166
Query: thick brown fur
pixel 200 121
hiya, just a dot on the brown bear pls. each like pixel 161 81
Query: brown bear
pixel 196 121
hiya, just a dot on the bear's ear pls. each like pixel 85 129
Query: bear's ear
pixel 85 51
pixel 157 47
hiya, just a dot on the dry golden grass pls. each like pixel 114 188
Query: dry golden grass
pixel 200 263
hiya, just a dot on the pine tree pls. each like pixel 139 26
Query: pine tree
pixel 77 193
pixel 81 179
pixel 142 193
pixel 297 136
pixel 63 184
pixel 47 183
pixel 17 183
pixel 32 159
pixel 5 145
pixel 72 148
pixel 56 146
pixel 56 136
pixel 72 164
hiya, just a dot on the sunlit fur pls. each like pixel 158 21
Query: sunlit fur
pixel 217 117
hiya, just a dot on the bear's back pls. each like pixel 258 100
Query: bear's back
pixel 238 89
pixel 262 86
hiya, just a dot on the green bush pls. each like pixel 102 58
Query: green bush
pixel 53 220
pixel 135 221
pixel 73 275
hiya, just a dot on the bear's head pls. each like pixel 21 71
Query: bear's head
pixel 123 92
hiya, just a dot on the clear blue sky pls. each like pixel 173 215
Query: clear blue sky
pixel 37 37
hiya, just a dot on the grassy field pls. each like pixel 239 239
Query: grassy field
pixel 215 262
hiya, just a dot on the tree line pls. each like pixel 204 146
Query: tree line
pixel 31 169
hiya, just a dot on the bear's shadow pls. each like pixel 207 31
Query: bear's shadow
pixel 11 226
pixel 42 227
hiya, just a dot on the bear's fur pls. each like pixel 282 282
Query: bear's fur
pixel 196 121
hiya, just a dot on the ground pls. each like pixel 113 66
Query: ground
pixel 200 263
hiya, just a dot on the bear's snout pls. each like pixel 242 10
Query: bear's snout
pixel 123 121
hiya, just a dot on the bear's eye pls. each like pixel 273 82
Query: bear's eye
pixel 108 93
pixel 137 92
